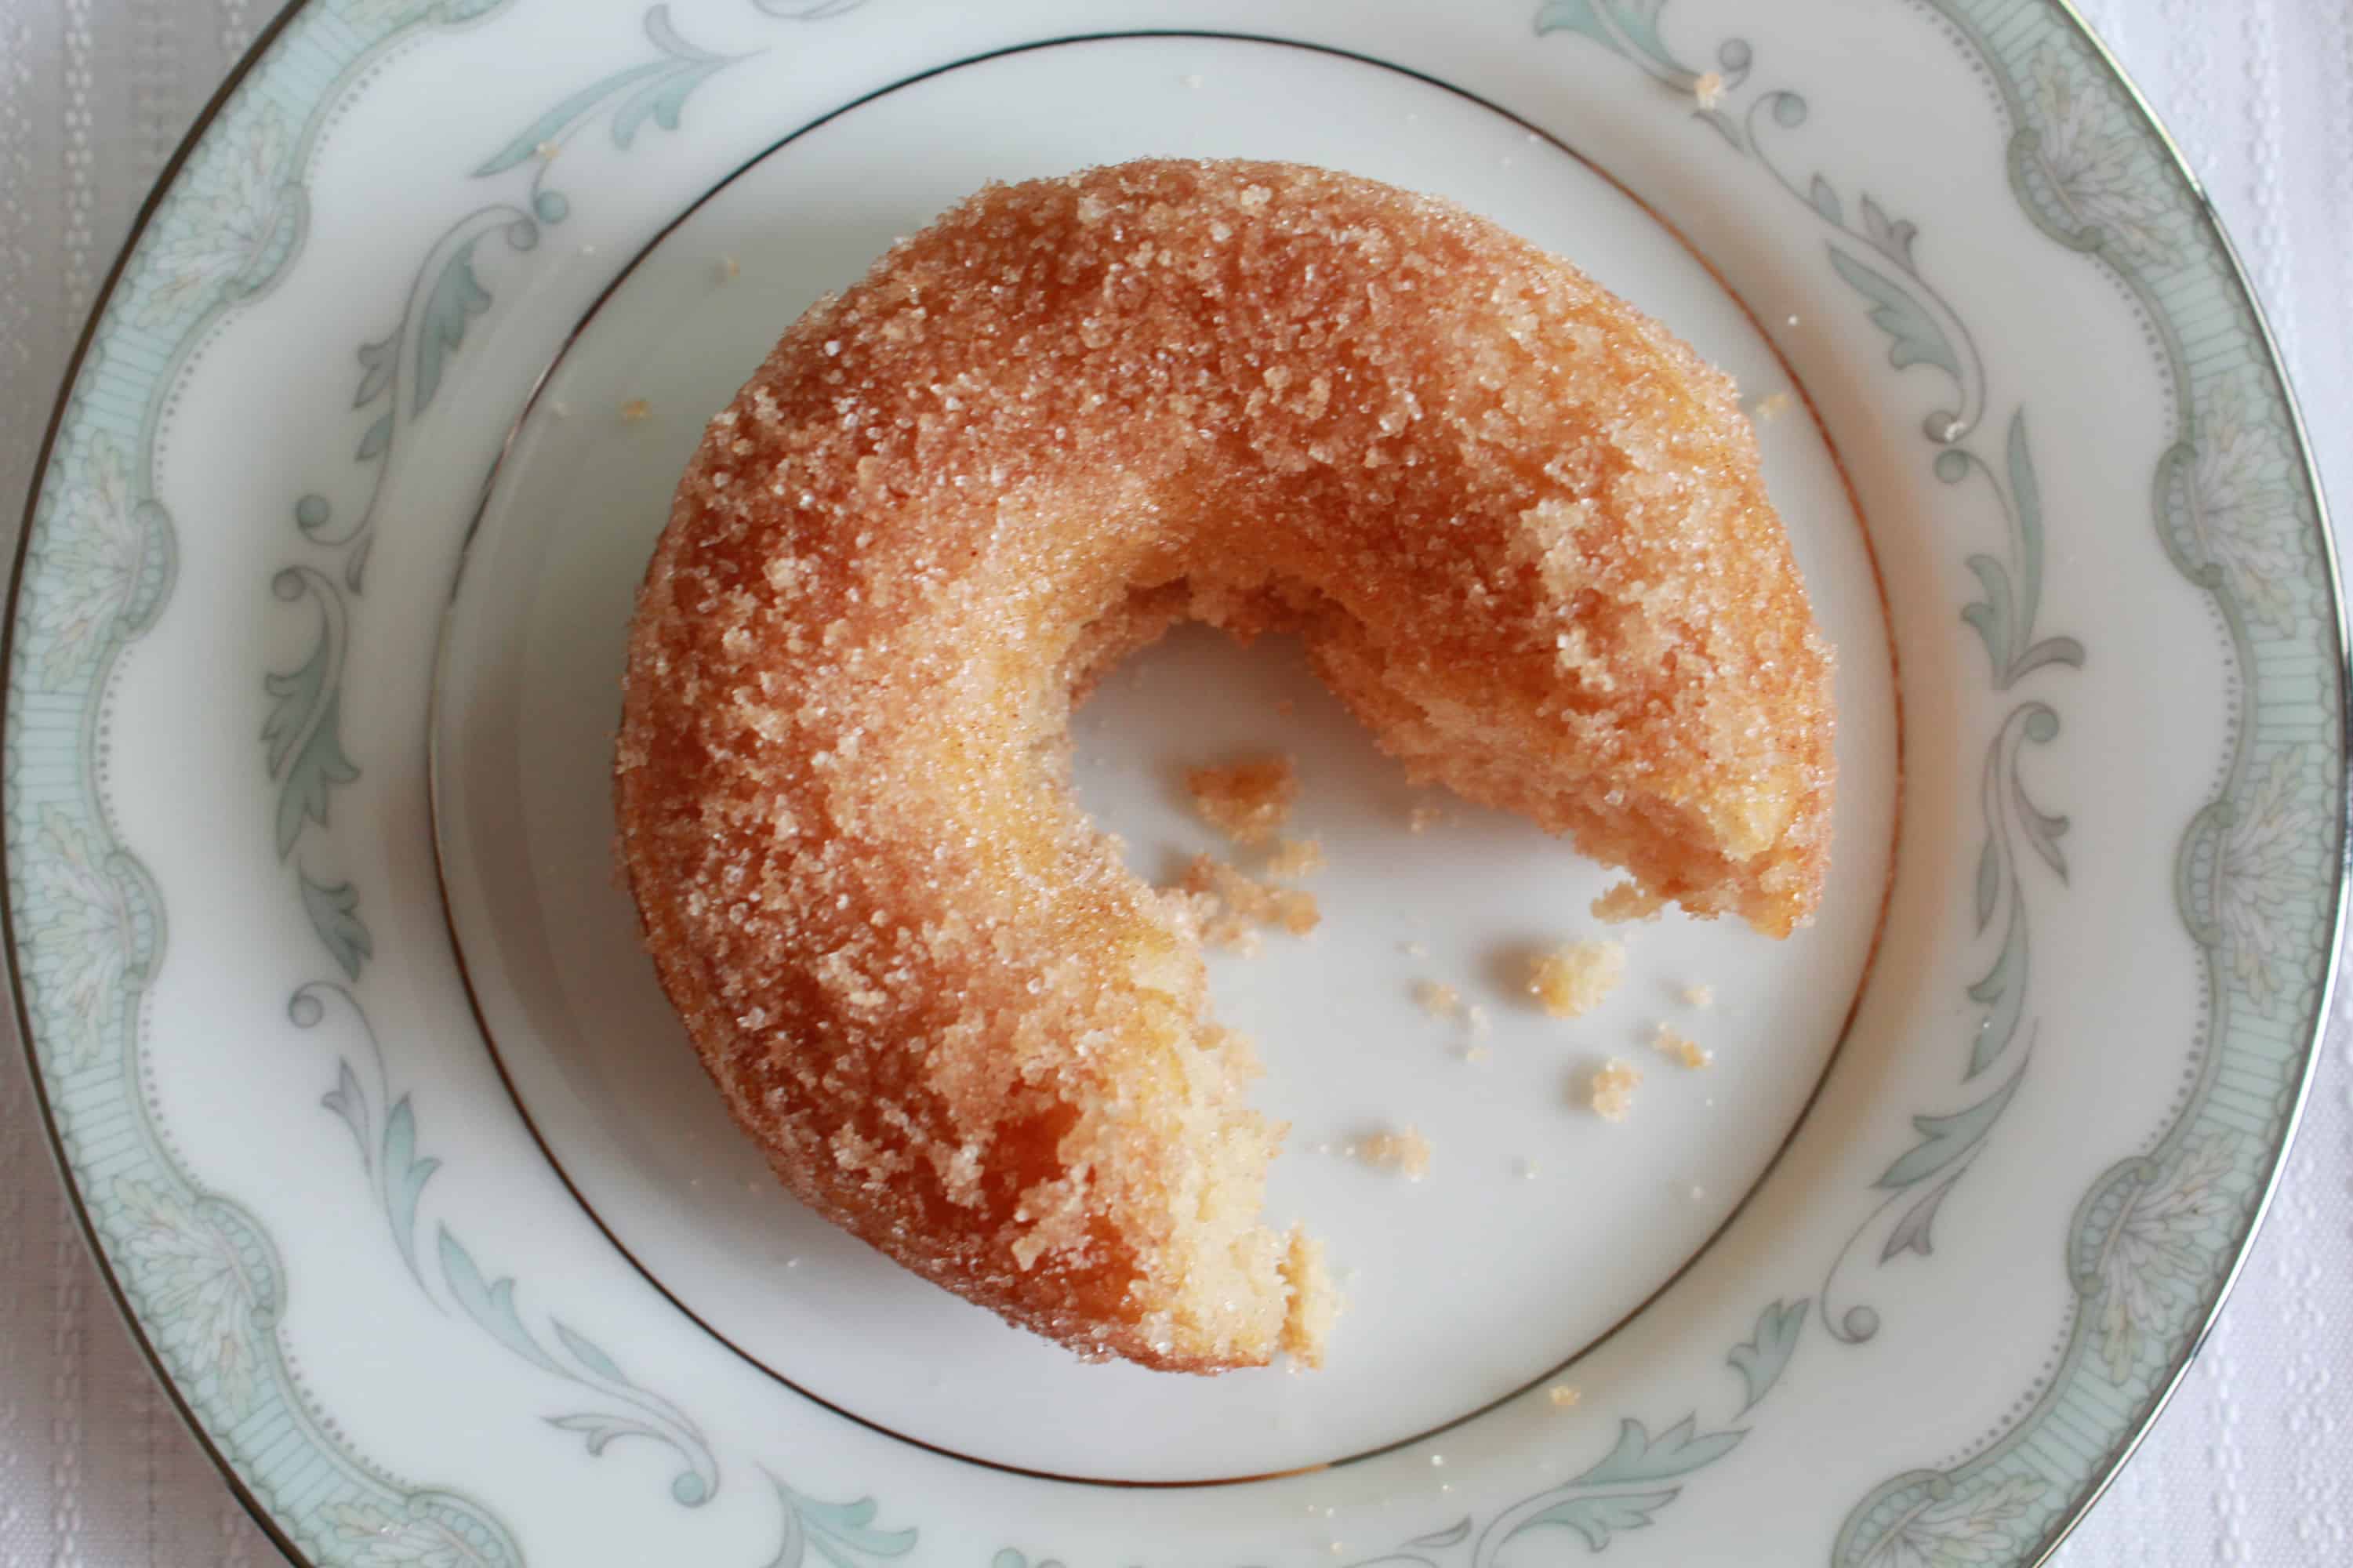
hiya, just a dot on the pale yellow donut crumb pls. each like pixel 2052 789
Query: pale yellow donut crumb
pixel 1296 857
pixel 1575 979
pixel 1681 1048
pixel 1612 1093
pixel 1246 801
pixel 1402 1150
pixel 1438 999
pixel 1231 905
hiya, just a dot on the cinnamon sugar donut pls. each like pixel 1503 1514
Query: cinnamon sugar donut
pixel 1519 526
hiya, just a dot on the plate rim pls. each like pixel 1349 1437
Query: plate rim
pixel 2238 282
pixel 2332 971
pixel 20 1016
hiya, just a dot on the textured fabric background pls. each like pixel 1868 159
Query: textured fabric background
pixel 2252 1464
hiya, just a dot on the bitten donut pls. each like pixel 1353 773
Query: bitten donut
pixel 1519 526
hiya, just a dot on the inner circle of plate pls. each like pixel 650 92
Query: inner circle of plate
pixel 1573 1223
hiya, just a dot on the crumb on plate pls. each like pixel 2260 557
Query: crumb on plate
pixel 1575 979
pixel 1438 999
pixel 1246 801
pixel 1296 858
pixel 1230 907
pixel 1402 1150
pixel 1611 1095
pixel 1681 1049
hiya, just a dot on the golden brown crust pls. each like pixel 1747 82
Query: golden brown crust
pixel 1520 527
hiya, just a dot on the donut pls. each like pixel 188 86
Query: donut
pixel 1519 527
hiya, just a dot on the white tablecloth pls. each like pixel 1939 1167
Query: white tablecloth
pixel 2253 1462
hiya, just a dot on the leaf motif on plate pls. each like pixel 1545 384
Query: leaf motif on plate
pixel 302 736
pixel 317 765
pixel 2231 499
pixel 348 1100
pixel 1969 1528
pixel 491 1305
pixel 2001 990
pixel 2005 617
pixel 1913 1231
pixel 1638 20
pixel 1761 1361
pixel 2095 169
pixel 2010 814
pixel 79 931
pixel 656 89
pixel 1599 1516
pixel 1944 1140
pixel 223 217
pixel 95 548
pixel 1914 336
pixel 842 1534
pixel 371 1535
pixel 2263 870
pixel 1627 27
pixel 403 1174
pixel 456 298
pixel 1627 1486
pixel 1891 239
pixel 1639 1457
pixel 1825 200
pixel 1576 16
pixel 397 1173
pixel 302 742
pixel 333 911
pixel 198 1300
pixel 2155 1256
pixel 601 1429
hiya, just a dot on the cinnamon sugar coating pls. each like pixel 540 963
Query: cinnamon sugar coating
pixel 1519 526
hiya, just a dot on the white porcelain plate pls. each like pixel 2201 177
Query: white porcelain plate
pixel 399 1160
